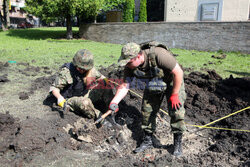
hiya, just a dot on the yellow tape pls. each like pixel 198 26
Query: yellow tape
pixel 226 116
pixel 203 126
pixel 209 127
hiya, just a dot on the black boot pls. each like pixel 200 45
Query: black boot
pixel 147 143
pixel 177 144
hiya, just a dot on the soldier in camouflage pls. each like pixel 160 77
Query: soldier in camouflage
pixel 77 86
pixel 156 63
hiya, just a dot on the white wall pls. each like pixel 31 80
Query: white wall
pixel 233 10
pixel 188 10
pixel 181 10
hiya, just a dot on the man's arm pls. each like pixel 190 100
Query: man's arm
pixel 62 79
pixel 56 93
pixel 121 92
pixel 60 99
pixel 177 80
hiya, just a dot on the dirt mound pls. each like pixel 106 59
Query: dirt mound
pixel 8 129
pixel 4 78
pixel 209 98
pixel 50 139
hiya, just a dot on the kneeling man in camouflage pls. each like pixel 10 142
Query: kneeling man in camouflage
pixel 77 86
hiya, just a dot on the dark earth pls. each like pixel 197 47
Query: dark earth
pixel 35 132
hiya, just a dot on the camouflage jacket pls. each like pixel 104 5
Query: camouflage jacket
pixel 67 78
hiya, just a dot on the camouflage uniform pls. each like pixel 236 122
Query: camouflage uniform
pixel 151 104
pixel 152 101
pixel 82 101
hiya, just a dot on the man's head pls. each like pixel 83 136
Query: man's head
pixel 83 59
pixel 129 51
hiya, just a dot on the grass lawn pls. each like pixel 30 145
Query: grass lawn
pixel 47 47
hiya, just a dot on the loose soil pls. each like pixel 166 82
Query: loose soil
pixel 35 132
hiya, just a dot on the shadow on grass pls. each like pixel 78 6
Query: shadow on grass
pixel 39 34
pixel 244 74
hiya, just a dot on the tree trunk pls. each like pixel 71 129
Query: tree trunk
pixel 69 27
pixel 1 19
pixel 5 18
pixel 8 16
pixel 95 21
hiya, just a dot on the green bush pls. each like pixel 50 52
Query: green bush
pixel 129 11
pixel 143 11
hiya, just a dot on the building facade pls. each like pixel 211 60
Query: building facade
pixel 18 15
pixel 206 10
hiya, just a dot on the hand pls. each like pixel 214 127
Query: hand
pixel 106 81
pixel 61 102
pixel 114 107
pixel 175 102
pixel 103 81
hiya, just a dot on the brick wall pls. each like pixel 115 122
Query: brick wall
pixel 227 36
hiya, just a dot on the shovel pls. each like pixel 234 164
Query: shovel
pixel 103 116
pixel 112 120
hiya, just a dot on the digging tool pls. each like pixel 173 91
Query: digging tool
pixel 64 110
pixel 112 120
pixel 103 116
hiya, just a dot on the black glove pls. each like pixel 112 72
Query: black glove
pixel 114 107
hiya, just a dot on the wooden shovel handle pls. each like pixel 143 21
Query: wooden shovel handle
pixel 103 116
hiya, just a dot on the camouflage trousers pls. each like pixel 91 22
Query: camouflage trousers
pixel 85 104
pixel 151 104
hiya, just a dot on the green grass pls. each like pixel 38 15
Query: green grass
pixel 48 47
pixel 235 63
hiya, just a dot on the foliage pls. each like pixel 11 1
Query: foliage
pixel 85 10
pixel 113 4
pixel 143 11
pixel 89 10
pixel 129 11
pixel 48 10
